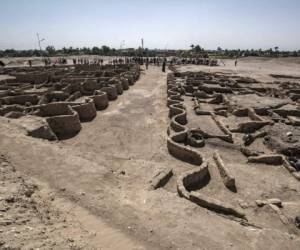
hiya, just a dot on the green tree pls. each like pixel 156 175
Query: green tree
pixel 65 50
pixel 51 50
pixel 198 48
pixel 105 49
pixel 96 50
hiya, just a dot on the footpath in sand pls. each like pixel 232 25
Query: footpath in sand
pixel 100 179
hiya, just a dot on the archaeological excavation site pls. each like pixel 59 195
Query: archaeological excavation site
pixel 149 125
pixel 52 103
pixel 121 156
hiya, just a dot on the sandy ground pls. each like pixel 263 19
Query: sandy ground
pixel 255 67
pixel 99 179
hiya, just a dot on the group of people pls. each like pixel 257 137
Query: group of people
pixel 155 61
pixel 87 61
pixel 163 61
pixel 48 62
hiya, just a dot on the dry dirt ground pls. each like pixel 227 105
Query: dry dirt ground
pixel 254 67
pixel 92 191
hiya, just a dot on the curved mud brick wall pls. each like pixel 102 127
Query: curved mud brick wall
pixel 130 78
pixel 187 182
pixel 20 99
pixel 86 111
pixel 100 99
pixel 65 126
pixel 174 95
pixel 111 92
pixel 117 84
pixel 177 111
pixel 125 83
pixel 191 179
pixel 54 109
pixel 177 126
pixel 134 72
pixel 182 152
pixel 177 130
pixel 196 178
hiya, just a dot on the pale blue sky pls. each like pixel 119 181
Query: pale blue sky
pixel 163 24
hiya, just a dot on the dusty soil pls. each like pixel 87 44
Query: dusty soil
pixel 29 217
pixel 92 191
pixel 255 67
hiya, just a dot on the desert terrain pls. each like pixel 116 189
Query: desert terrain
pixel 135 158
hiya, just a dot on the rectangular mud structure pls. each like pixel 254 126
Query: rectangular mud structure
pixel 51 103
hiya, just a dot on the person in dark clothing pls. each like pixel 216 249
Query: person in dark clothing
pixel 164 65
pixel 30 63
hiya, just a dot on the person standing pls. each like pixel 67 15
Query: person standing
pixel 164 65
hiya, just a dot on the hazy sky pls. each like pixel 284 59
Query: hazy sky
pixel 162 23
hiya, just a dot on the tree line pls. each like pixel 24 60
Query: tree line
pixel 194 51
